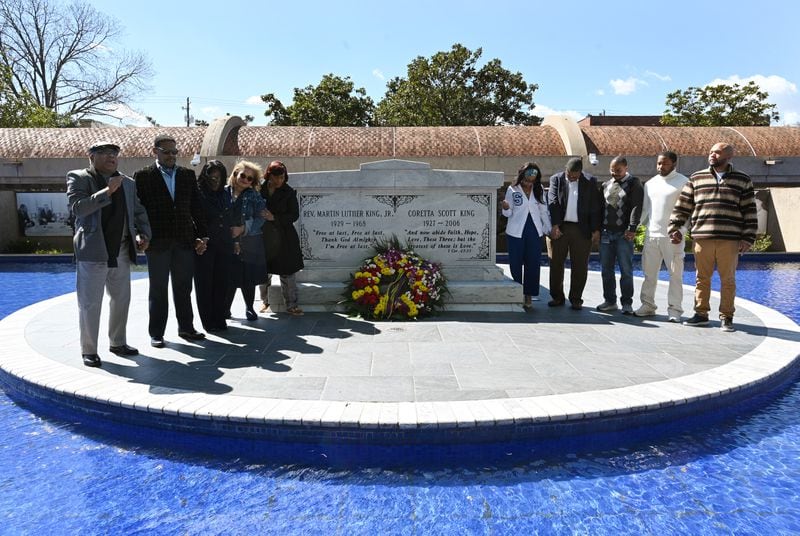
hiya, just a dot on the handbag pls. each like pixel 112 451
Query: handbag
pixel 252 249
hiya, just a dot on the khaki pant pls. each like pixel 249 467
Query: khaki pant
pixel 91 280
pixel 725 255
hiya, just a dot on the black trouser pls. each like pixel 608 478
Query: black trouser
pixel 574 243
pixel 211 284
pixel 177 263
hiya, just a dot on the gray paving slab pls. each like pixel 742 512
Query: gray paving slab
pixel 547 364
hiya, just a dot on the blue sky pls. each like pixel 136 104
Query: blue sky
pixel 621 57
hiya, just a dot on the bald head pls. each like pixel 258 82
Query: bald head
pixel 720 155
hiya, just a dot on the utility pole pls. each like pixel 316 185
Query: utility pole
pixel 188 117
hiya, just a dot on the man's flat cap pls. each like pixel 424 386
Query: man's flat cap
pixel 103 144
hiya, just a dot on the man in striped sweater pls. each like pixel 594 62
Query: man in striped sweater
pixel 719 205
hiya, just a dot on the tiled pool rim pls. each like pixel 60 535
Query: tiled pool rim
pixel 38 380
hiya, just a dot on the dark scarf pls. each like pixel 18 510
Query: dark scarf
pixel 112 218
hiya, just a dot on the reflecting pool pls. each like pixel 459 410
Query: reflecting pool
pixel 733 474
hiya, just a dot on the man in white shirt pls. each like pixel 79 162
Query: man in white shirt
pixel 660 194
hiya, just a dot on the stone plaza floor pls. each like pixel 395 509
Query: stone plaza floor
pixel 457 369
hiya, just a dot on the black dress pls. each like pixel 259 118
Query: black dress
pixel 283 205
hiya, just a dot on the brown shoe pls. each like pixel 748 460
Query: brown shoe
pixel 295 311
pixel 264 308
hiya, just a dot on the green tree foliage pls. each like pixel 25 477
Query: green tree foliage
pixel 333 103
pixel 722 105
pixel 22 111
pixel 448 89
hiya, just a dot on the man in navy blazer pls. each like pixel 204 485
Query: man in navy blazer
pixel 574 201
pixel 170 194
pixel 110 225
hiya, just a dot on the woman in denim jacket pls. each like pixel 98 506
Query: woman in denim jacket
pixel 248 267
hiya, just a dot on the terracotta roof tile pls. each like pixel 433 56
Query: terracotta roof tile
pixel 693 141
pixel 74 142
pixel 406 142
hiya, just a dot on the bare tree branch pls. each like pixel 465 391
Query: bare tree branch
pixel 63 55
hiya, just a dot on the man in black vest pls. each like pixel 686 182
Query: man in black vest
pixel 170 194
pixel 623 197
pixel 110 225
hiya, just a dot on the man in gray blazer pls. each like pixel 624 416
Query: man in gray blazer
pixel 110 226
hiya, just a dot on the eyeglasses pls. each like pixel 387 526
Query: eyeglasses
pixel 248 178
pixel 172 152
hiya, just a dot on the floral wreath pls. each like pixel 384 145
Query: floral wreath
pixel 395 283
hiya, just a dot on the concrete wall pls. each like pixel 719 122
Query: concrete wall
pixel 784 221
pixel 779 175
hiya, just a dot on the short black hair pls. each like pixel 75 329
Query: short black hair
pixel 669 154
pixel 161 138
pixel 619 159
pixel 574 164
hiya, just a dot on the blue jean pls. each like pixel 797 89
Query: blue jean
pixel 525 258
pixel 615 250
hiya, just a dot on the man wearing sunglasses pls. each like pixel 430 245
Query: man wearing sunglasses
pixel 169 193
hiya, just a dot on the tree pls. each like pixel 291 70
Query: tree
pixel 60 55
pixel 448 89
pixel 721 105
pixel 22 111
pixel 332 103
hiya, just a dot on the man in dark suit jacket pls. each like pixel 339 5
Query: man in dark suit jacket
pixel 172 199
pixel 574 201
pixel 110 225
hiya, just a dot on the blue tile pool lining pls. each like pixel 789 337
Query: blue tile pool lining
pixel 34 377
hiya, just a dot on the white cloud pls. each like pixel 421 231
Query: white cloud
pixel 255 100
pixel 377 73
pixel 210 111
pixel 543 111
pixel 627 86
pixel 790 118
pixel 782 93
pixel 126 116
pixel 100 47
pixel 600 92
pixel 662 77
pixel 773 84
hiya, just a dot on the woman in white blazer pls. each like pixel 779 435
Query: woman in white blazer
pixel 528 221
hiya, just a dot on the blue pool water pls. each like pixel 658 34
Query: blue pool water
pixel 737 474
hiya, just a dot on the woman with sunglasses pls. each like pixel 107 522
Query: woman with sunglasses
pixel 211 269
pixel 528 221
pixel 248 268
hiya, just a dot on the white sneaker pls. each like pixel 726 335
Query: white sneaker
pixel 644 311
pixel 607 306
pixel 674 319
